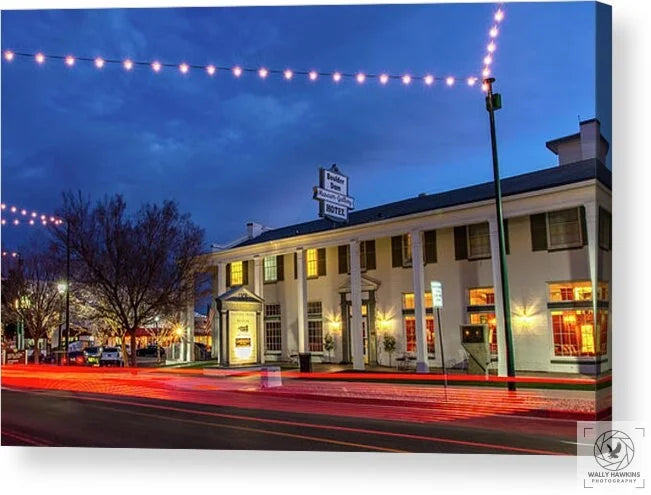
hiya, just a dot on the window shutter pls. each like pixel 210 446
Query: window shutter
pixel 460 243
pixel 396 251
pixel 430 246
pixel 245 273
pixel 370 255
pixel 343 258
pixel 507 245
pixel 228 274
pixel 538 232
pixel 296 266
pixel 584 225
pixel 280 267
pixel 321 260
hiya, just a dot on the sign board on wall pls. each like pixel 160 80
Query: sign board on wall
pixel 437 294
pixel 243 337
pixel 332 195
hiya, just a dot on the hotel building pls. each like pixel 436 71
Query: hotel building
pixel 354 282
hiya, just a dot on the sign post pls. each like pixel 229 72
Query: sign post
pixel 437 302
pixel 332 195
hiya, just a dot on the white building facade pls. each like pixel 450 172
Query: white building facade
pixel 353 283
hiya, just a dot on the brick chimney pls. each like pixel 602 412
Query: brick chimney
pixel 587 144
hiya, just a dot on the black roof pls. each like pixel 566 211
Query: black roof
pixel 533 181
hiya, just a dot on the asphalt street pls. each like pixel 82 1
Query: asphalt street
pixel 63 418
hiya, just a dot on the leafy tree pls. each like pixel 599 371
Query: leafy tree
pixel 135 266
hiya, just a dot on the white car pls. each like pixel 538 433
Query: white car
pixel 111 356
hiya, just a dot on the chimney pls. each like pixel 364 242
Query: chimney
pixel 587 144
pixel 253 230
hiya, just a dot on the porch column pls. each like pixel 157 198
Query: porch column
pixel 219 319
pixel 497 288
pixel 258 288
pixel 592 226
pixel 189 324
pixel 422 363
pixel 214 323
pixel 301 293
pixel 356 337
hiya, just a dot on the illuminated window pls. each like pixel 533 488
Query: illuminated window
pixel 410 334
pixel 479 244
pixel 576 291
pixel 270 269
pixel 272 310
pixel 574 334
pixel 482 296
pixel 564 229
pixel 485 318
pixel 408 301
pixel 237 273
pixel 312 263
pixel 315 326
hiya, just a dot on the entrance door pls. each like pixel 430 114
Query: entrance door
pixel 364 328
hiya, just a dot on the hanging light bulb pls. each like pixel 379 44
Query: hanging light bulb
pixel 499 15
pixel 237 71
pixel 40 58
pixel 336 77
pixel 384 78
pixel 9 55
pixel 471 81
pixel 156 66
pixel 486 72
pixel 99 62
pixel 429 79
pixel 488 60
pixel 491 47
pixel 13 209
pixel 493 32
pixel 406 79
pixel 263 73
pixel 288 74
pixel 360 78
pixel 70 60
pixel 211 70
pixel 449 80
pixel 128 64
pixel 184 68
pixel 313 75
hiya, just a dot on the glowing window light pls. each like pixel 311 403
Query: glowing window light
pixel 128 64
pixel 499 15
pixel 336 77
pixel 471 81
pixel 384 78
pixel 156 66
pixel 491 47
pixel 486 72
pixel 313 75
pixel 360 78
pixel 449 80
pixel 429 79
pixel 488 60
pixel 70 60
pixel 9 55
pixel 263 73
pixel 40 58
pixel 237 71
pixel 184 68
pixel 211 70
pixel 99 62
pixel 288 74
pixel 406 79
pixel 493 32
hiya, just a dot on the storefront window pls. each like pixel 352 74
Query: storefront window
pixel 574 334
pixel 410 334
pixel 576 291
pixel 408 301
pixel 237 273
pixel 483 296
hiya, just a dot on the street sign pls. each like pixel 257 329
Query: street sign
pixel 437 294
pixel 332 195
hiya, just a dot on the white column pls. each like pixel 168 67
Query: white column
pixel 221 288
pixel 356 337
pixel 593 259
pixel 258 288
pixel 189 325
pixel 301 292
pixel 497 287
pixel 214 324
pixel 422 363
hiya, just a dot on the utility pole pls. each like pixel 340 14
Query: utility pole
pixel 494 102
pixel 67 290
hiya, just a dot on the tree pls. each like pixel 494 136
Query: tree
pixel 31 294
pixel 135 266
pixel 389 344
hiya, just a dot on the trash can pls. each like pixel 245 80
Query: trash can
pixel 305 362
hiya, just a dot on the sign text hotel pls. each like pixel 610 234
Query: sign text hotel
pixel 332 194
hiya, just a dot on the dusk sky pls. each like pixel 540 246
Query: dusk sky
pixel 233 150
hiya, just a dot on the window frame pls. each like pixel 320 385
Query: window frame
pixel 406 243
pixel 314 318
pixel 273 269
pixel 567 245
pixel 469 237
pixel 314 263
pixel 240 271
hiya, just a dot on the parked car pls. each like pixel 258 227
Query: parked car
pixel 93 355
pixel 111 356
pixel 151 351
pixel 74 358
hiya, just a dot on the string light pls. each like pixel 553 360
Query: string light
pixel 491 47
pixel 449 81
pixel 499 15
pixel 237 71
pixel 13 254
pixel 32 217
pixel 493 32
pixel 471 81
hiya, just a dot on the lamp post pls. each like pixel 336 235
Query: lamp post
pixel 67 288
pixel 62 287
pixel 494 102
pixel 156 320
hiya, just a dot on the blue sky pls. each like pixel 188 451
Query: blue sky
pixel 231 151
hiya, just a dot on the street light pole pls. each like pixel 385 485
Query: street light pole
pixel 494 102
pixel 67 290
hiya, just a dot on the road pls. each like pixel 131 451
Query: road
pixel 40 417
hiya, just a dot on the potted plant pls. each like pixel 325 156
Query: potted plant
pixel 389 345
pixel 329 345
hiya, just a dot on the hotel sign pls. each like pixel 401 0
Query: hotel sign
pixel 243 333
pixel 332 195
